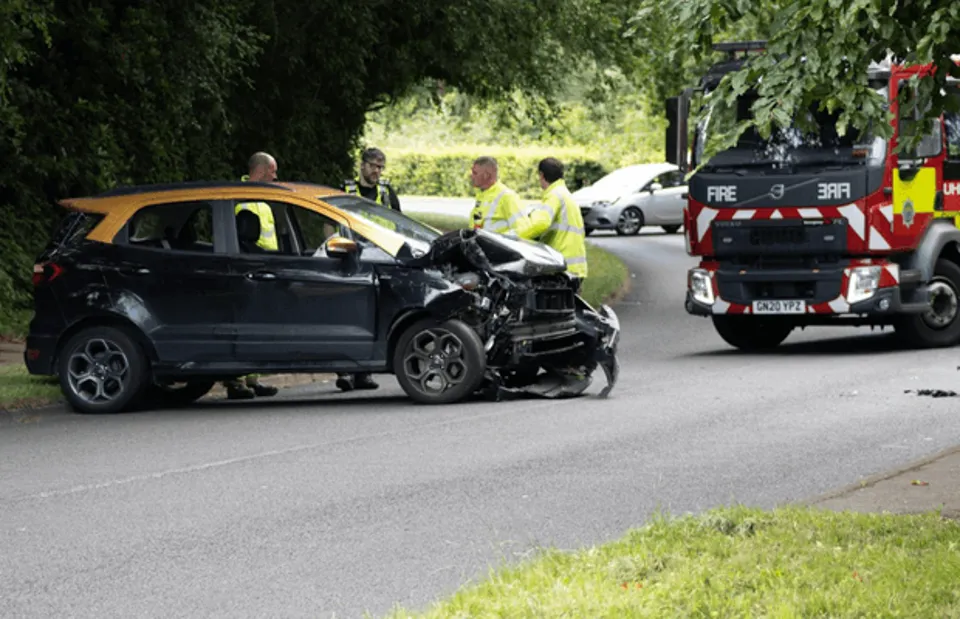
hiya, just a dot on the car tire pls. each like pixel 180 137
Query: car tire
pixel 167 396
pixel 751 333
pixel 450 378
pixel 928 330
pixel 671 229
pixel 102 370
pixel 630 221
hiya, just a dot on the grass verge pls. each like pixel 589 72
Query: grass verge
pixel 607 275
pixel 18 389
pixel 736 562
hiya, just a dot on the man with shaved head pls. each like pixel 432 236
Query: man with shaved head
pixel 498 207
pixel 262 168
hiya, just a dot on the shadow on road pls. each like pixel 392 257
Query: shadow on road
pixel 866 344
pixel 322 399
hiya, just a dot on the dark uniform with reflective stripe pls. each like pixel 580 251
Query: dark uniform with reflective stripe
pixel 383 194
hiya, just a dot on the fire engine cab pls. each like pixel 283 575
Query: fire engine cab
pixel 808 227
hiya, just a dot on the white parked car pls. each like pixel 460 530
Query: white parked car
pixel 627 199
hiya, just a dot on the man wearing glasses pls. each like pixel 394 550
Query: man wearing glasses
pixel 370 185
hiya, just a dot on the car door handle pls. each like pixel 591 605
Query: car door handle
pixel 261 275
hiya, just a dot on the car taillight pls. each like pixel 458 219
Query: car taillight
pixel 46 272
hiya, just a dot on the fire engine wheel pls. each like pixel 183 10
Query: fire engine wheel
pixel 750 333
pixel 940 325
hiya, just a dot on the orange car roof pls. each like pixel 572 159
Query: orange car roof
pixel 106 201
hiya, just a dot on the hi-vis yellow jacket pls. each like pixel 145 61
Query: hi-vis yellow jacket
pixel 557 222
pixel 498 209
pixel 268 231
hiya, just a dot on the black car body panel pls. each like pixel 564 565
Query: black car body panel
pixel 201 308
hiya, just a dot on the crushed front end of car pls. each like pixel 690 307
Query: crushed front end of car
pixel 539 336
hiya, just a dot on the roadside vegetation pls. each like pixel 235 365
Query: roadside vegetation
pixel 18 389
pixel 735 562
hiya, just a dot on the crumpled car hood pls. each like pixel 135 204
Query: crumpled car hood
pixel 495 252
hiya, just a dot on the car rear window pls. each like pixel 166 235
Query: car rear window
pixel 73 228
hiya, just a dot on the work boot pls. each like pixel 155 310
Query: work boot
pixel 364 381
pixel 264 391
pixel 345 382
pixel 238 391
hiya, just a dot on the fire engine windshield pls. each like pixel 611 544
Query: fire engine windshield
pixel 811 142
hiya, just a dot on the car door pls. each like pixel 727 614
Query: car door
pixel 666 201
pixel 168 271
pixel 300 304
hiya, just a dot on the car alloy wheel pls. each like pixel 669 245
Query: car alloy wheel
pixel 101 370
pixel 630 222
pixel 439 362
pixel 98 372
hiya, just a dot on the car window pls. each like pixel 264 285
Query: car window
pixel 670 179
pixel 178 226
pixel 952 122
pixel 315 228
pixel 386 218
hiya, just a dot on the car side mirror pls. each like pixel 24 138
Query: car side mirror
pixel 340 247
pixel 655 187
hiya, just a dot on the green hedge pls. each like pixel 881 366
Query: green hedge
pixel 447 172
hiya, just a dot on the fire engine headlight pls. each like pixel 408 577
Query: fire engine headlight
pixel 701 287
pixel 863 283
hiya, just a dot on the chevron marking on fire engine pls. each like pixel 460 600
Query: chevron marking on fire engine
pixel 876 240
pixel 720 306
pixel 776 215
pixel 839 305
pixel 856 219
pixel 703 221
pixel 894 271
pixel 746 213
pixel 887 212
pixel 810 213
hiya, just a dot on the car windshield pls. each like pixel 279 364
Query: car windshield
pixel 417 235
pixel 794 146
pixel 623 178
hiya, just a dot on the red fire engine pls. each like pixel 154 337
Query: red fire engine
pixel 808 227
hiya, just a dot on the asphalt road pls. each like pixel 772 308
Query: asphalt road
pixel 320 505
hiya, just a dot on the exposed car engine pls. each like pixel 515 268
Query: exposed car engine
pixel 539 336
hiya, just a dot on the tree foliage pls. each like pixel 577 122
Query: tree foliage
pixel 818 53
pixel 116 92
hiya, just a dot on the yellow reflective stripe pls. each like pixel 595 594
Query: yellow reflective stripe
pixel 565 228
pixel 515 217
pixel 491 211
pixel 496 225
pixel 355 188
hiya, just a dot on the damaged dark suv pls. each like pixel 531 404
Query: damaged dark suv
pixel 149 295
